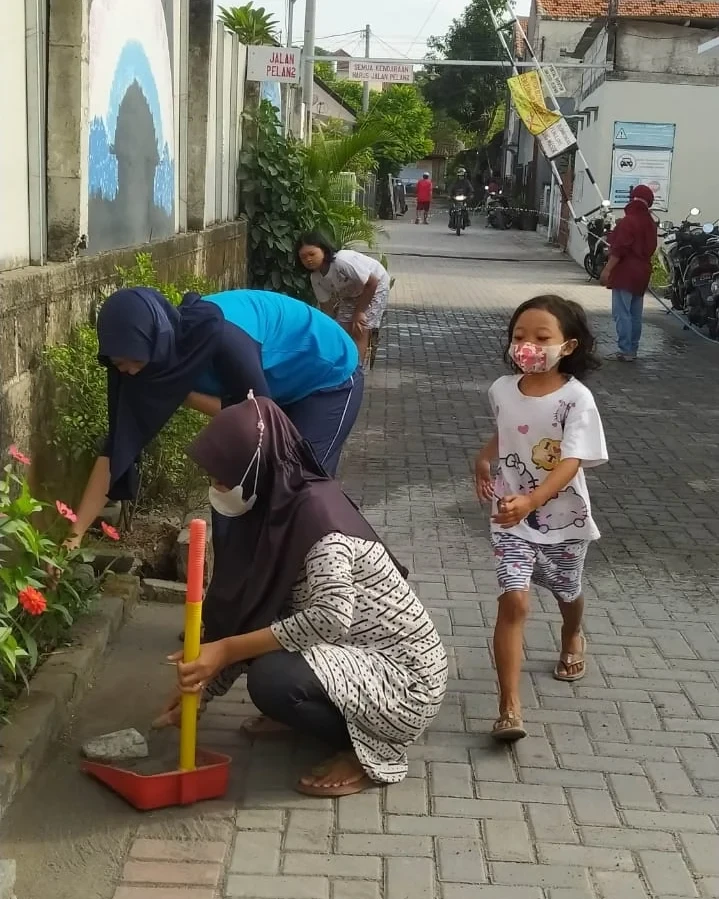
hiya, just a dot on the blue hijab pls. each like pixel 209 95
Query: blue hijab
pixel 176 346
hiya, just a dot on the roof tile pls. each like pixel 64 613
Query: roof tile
pixel 663 9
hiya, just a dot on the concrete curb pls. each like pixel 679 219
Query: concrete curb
pixel 7 879
pixel 38 718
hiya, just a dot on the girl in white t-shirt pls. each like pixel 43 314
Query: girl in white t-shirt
pixel 548 431
pixel 350 286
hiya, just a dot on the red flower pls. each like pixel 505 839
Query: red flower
pixel 18 456
pixel 109 531
pixel 32 601
pixel 65 511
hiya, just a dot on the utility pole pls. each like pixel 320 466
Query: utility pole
pixel 308 65
pixel 291 103
pixel 367 53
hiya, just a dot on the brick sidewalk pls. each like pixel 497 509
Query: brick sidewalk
pixel 615 793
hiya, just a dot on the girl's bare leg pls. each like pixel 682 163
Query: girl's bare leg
pixel 508 639
pixel 572 662
pixel 362 339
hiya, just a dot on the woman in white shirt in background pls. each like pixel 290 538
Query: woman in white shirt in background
pixel 350 286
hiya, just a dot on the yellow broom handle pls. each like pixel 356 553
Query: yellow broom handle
pixel 193 629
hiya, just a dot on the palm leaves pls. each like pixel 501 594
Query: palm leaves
pixel 254 27
pixel 330 156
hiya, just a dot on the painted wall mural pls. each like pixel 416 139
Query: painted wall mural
pixel 132 128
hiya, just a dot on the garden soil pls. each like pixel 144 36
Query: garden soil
pixel 68 833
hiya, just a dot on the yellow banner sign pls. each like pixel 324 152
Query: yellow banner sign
pixel 528 99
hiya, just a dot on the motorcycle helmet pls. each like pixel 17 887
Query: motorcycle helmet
pixel 461 172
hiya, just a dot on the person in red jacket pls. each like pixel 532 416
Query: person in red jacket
pixel 424 198
pixel 632 245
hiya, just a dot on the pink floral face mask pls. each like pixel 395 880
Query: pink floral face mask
pixel 533 359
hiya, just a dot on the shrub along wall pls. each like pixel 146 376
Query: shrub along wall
pixel 41 306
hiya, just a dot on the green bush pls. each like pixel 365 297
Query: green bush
pixel 287 189
pixel 169 477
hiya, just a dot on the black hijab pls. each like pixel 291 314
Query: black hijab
pixel 176 346
pixel 259 555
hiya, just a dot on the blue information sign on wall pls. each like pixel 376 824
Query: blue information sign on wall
pixel 656 135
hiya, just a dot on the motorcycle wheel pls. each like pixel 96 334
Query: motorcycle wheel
pixel 713 327
pixel 458 229
pixel 673 297
pixel 589 267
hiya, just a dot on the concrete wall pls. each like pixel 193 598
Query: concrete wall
pixel 14 183
pixel 645 48
pixel 126 116
pixel 40 305
pixel 228 63
pixel 554 36
pixel 324 107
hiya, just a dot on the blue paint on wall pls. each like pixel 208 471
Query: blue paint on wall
pixel 133 67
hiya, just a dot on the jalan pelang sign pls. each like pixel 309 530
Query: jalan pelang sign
pixel 273 64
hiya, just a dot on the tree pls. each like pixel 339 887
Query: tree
pixel 408 121
pixel 254 27
pixel 469 96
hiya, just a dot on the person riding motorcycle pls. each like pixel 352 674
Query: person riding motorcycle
pixel 462 186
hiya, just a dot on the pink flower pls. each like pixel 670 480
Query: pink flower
pixel 109 531
pixel 18 456
pixel 32 601
pixel 65 511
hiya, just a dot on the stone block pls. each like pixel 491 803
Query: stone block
pixel 122 744
pixel 170 592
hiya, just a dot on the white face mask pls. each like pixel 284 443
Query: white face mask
pixel 232 503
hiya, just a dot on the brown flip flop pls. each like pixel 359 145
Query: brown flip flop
pixel 568 660
pixel 508 728
pixel 333 792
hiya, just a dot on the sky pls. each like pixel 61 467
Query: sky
pixel 400 27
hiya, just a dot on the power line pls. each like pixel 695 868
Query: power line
pixel 424 25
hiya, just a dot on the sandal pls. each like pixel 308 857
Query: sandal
pixel 262 726
pixel 333 791
pixel 572 660
pixel 508 728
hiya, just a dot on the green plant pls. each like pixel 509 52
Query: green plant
pixel 285 190
pixel 144 274
pixel 169 477
pixel 660 276
pixel 44 587
pixel 252 26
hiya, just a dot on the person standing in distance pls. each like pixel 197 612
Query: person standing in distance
pixel 425 189
pixel 632 245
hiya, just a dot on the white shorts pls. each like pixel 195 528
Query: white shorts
pixel 375 310
pixel 558 567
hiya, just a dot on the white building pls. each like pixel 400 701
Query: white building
pixel 651 117
pixel 646 113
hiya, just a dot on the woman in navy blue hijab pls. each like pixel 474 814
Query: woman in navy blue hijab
pixel 209 353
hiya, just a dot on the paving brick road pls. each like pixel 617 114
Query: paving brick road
pixel 615 793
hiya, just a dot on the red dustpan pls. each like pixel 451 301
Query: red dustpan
pixel 201 774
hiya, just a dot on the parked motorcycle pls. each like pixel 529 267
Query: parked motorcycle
pixel 499 214
pixel 690 255
pixel 598 229
pixel 458 214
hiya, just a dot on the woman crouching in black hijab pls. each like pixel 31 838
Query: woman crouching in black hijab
pixel 306 598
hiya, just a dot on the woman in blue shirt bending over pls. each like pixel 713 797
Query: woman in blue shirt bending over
pixel 209 353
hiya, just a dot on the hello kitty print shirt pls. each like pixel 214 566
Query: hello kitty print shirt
pixel 535 434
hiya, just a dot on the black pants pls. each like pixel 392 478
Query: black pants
pixel 284 688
